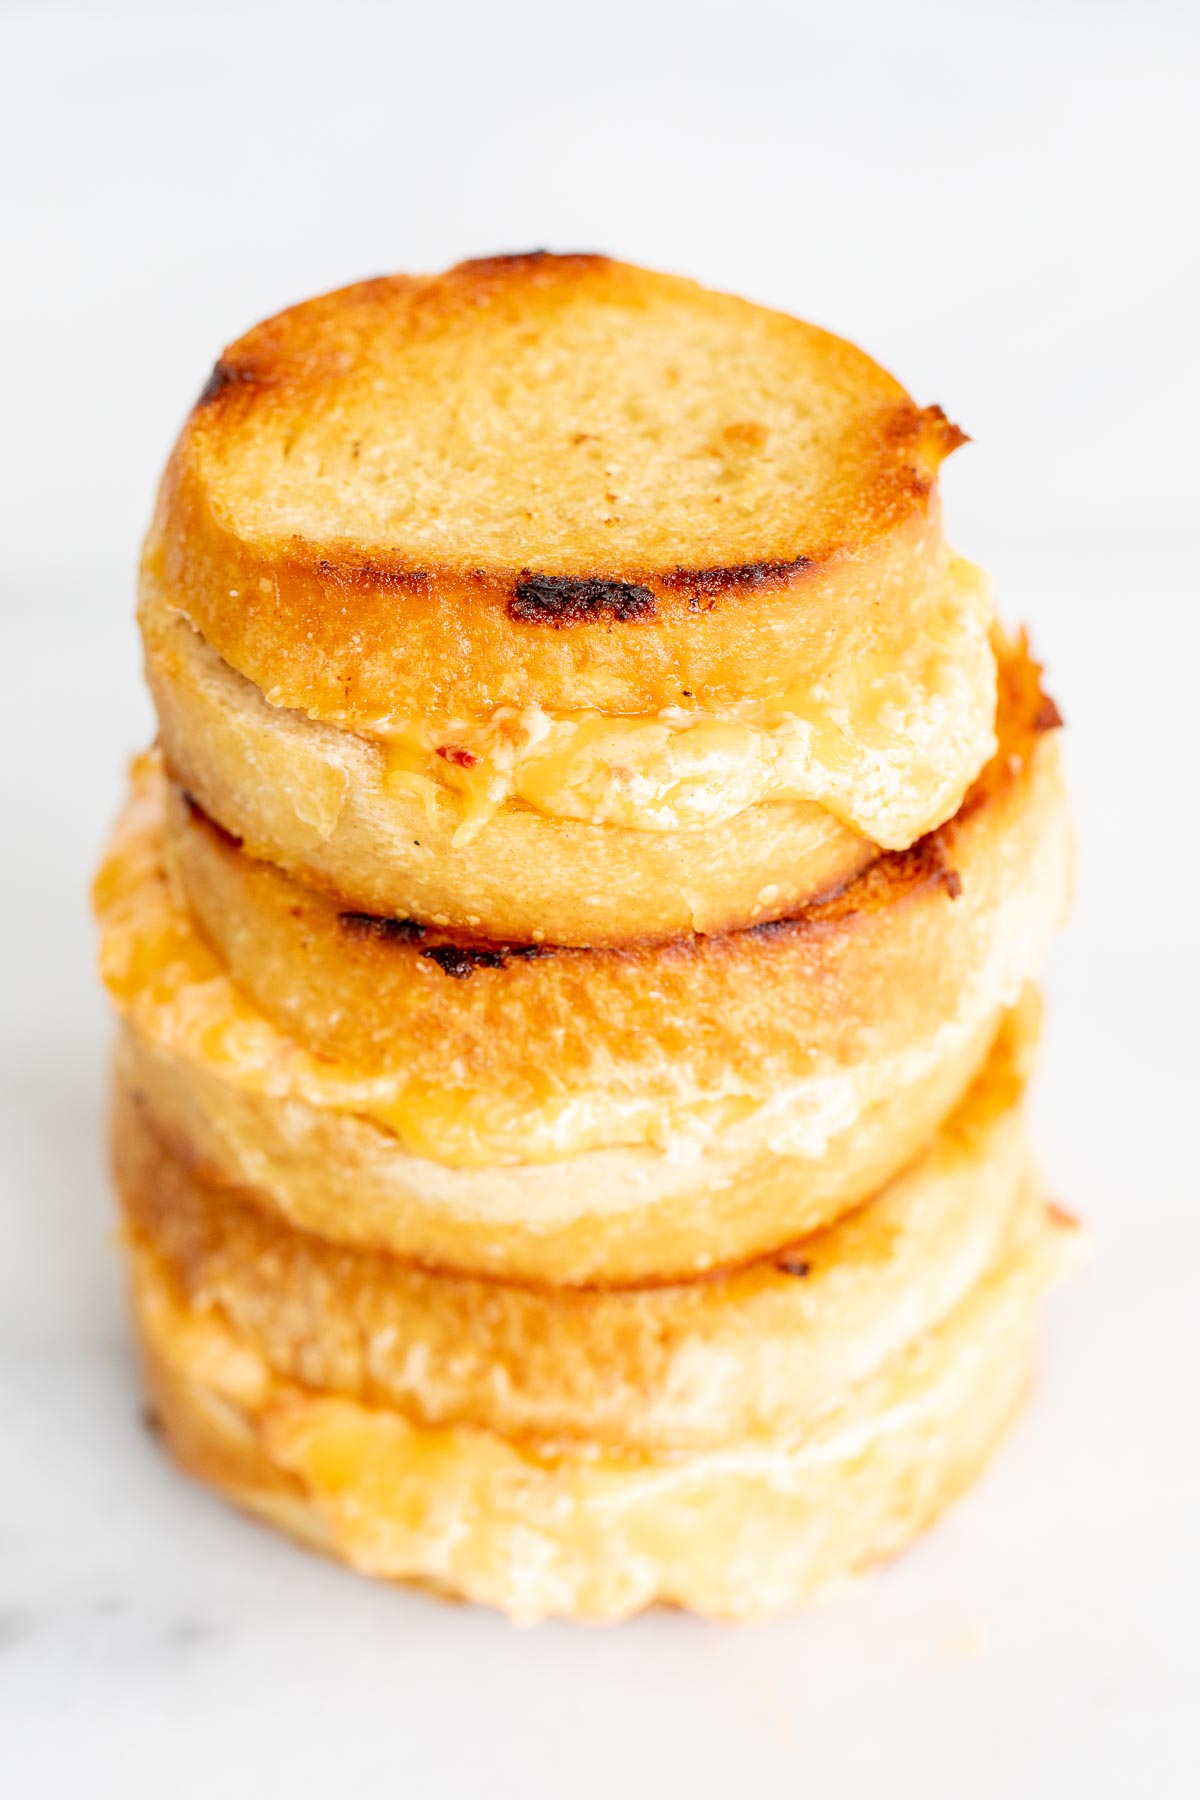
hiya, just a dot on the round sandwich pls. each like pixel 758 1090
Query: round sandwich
pixel 551 600
pixel 733 1446
pixel 576 1116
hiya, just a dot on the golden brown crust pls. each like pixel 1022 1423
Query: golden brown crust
pixel 552 480
pixel 760 1350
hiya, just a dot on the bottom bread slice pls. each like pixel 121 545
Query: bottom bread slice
pixel 571 1530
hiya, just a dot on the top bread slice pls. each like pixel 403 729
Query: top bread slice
pixel 550 480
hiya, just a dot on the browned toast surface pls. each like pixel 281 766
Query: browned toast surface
pixel 539 478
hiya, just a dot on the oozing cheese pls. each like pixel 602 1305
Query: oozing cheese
pixel 887 743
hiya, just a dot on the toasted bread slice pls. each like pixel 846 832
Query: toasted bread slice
pixel 551 480
pixel 762 1348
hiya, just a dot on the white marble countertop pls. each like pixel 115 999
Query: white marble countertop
pixel 995 201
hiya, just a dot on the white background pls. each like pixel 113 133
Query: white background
pixel 1000 203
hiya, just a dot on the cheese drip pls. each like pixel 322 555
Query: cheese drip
pixel 887 743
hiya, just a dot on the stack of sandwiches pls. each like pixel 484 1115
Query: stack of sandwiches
pixel 573 943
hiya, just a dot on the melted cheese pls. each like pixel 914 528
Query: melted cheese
pixel 543 1527
pixel 887 743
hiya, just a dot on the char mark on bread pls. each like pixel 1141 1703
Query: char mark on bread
pixel 456 960
pixel 925 864
pixel 794 1264
pixel 459 963
pixel 369 925
pixel 226 375
pixel 568 600
pixel 710 584
pixel 462 960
